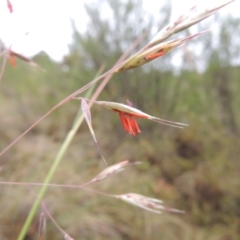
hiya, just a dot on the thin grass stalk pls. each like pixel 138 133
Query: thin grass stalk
pixel 77 123
pixel 84 88
pixel 64 101
pixel 56 185
pixel 44 208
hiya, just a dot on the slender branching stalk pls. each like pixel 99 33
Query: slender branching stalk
pixel 154 49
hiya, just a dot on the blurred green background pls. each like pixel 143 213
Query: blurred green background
pixel 195 169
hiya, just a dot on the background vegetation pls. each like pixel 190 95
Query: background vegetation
pixel 195 169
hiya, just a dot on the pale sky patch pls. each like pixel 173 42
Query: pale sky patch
pixel 47 22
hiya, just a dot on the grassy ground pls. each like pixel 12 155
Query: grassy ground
pixel 196 169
